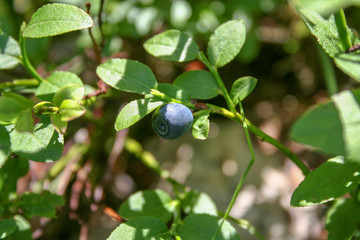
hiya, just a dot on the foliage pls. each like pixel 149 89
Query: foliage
pixel 35 115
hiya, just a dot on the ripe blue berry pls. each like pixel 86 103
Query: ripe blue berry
pixel 172 120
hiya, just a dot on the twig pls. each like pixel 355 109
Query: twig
pixel 96 47
pixel 100 24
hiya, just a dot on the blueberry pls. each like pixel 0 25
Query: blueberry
pixel 172 120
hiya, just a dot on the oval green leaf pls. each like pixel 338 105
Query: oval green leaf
pixel 127 75
pixel 9 52
pixel 198 203
pixel 59 125
pixel 326 32
pixel 7 227
pixel 73 92
pixel 226 42
pixel 134 111
pixel 329 181
pixel 242 88
pixel 201 125
pixel 55 19
pixel 154 203
pixel 141 228
pixel 349 63
pixel 42 145
pixel 175 91
pixel 172 45
pixel 12 106
pixel 54 82
pixel 199 84
pixel 70 109
pixel 332 128
pixel 203 227
pixel 342 219
pixel 326 7
pixel 4 145
pixel 42 205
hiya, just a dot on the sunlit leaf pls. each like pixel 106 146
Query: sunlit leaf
pixel 199 84
pixel 54 83
pixel 201 125
pixel 241 88
pixel 331 180
pixel 55 19
pixel 226 42
pixel 127 75
pixel 9 52
pixel 155 203
pixel 172 45
pixel 134 111
pixel 42 145
pixel 342 219
pixel 203 227
pixel 141 228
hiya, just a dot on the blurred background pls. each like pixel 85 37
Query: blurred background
pixel 279 52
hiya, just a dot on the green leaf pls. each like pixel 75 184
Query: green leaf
pixel 320 128
pixel 12 106
pixel 17 167
pixel 199 84
pixel 331 180
pixel 59 125
pixel 326 32
pixel 203 227
pixel 54 83
pixel 201 125
pixel 134 111
pixel 43 145
pixel 127 75
pixel 42 205
pixel 70 109
pixel 155 203
pixel 4 145
pixel 172 45
pixel 325 7
pixel 226 42
pixel 141 228
pixel 174 91
pixel 198 203
pixel 23 230
pixel 349 63
pixel 25 121
pixel 55 19
pixel 73 92
pixel 332 128
pixel 9 52
pixel 242 88
pixel 348 105
pixel 7 227
pixel 342 219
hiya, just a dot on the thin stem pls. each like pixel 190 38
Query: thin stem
pixel 96 47
pixel 100 23
pixel 22 83
pixel 161 96
pixel 214 71
pixel 243 177
pixel 341 26
pixel 328 71
pixel 263 136
pixel 25 61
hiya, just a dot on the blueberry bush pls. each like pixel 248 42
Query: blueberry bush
pixel 58 115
